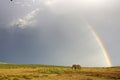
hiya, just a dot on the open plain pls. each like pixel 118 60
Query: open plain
pixel 51 72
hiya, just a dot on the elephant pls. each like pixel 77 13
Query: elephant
pixel 76 66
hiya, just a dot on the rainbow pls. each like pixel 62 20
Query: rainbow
pixel 105 53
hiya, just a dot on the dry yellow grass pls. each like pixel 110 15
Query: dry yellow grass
pixel 37 72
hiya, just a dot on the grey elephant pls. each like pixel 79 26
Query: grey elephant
pixel 76 66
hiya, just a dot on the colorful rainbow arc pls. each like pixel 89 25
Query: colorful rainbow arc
pixel 105 53
pixel 101 45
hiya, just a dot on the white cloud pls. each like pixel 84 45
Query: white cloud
pixel 25 3
pixel 65 6
pixel 26 21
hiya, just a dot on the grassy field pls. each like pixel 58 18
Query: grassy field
pixel 51 72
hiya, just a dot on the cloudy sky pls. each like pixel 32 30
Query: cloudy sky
pixel 56 31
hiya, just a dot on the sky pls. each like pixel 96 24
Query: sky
pixel 56 32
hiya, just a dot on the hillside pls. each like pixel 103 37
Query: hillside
pixel 3 63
